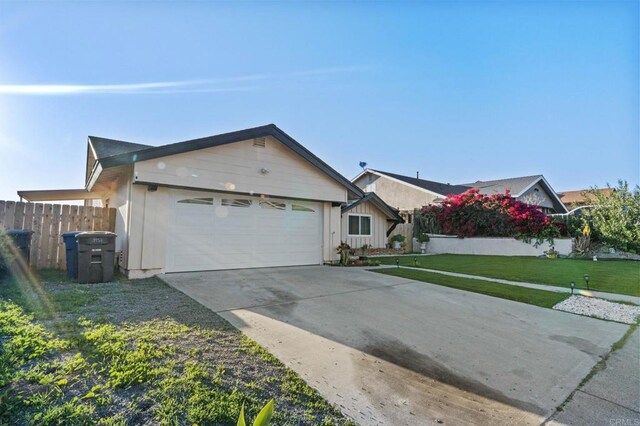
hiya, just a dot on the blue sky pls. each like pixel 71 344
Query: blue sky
pixel 460 91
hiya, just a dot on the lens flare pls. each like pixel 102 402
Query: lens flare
pixel 30 284
pixel 222 212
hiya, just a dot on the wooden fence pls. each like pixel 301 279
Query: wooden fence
pixel 48 222
pixel 405 229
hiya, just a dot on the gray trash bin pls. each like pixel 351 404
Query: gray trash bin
pixel 96 256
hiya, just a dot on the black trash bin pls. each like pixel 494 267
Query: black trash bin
pixel 96 256
pixel 22 240
pixel 71 248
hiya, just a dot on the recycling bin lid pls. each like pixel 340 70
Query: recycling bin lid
pixel 19 232
pixel 71 233
pixel 95 234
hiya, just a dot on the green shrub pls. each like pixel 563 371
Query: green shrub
pixel 398 237
pixel 616 217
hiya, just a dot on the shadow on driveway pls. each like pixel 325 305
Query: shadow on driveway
pixel 389 350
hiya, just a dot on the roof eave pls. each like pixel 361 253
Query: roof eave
pixel 59 195
pixel 227 138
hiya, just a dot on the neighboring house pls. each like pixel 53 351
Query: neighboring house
pixel 246 199
pixel 574 199
pixel 407 193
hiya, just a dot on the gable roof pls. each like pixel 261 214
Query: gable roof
pixel 516 185
pixel 432 186
pixel 103 147
pixel 376 201
pixel 146 152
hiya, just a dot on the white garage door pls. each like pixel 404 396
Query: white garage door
pixel 209 231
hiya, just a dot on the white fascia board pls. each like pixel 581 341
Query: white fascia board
pixel 528 187
pixel 549 190
pixel 553 193
pixel 362 173
pixel 94 176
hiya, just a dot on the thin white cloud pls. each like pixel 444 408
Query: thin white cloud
pixel 166 87
pixel 77 89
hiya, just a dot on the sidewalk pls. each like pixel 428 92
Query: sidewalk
pixel 599 294
pixel 611 396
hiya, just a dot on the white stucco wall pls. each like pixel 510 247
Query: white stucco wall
pixel 490 246
pixel 398 195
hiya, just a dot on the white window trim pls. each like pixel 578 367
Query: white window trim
pixel 360 215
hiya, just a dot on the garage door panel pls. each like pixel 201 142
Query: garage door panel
pixel 216 236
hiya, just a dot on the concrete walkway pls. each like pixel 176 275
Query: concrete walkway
pixel 612 396
pixel 393 351
pixel 599 294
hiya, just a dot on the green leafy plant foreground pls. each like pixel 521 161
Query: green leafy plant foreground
pixel 262 419
pixel 73 370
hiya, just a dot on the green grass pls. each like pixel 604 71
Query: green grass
pixel 60 363
pixel 613 276
pixel 545 299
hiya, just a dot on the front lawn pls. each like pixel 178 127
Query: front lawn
pixel 613 276
pixel 543 298
pixel 135 352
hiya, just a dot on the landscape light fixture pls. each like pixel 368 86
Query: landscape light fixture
pixel 397 262
pixel 586 280
pixel 573 285
pixel 415 261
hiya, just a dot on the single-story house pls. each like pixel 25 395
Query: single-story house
pixel 407 193
pixel 246 199
pixel 583 197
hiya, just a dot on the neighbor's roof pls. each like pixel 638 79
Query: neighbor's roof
pixel 146 152
pixel 572 197
pixel 376 201
pixel 516 185
pixel 429 185
pixel 104 147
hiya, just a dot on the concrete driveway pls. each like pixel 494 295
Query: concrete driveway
pixel 388 350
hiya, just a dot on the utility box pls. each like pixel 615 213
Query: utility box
pixel 96 256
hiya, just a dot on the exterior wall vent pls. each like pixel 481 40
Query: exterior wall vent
pixel 261 142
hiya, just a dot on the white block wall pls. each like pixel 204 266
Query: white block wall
pixel 440 244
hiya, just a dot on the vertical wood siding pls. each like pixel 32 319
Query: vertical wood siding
pixel 379 226
pixel 48 222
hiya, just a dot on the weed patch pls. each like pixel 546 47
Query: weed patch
pixel 95 355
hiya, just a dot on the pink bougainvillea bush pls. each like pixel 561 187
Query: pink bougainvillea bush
pixel 472 214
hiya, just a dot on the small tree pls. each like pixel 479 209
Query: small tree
pixel 616 216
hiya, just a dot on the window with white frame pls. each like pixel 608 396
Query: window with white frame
pixel 359 225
